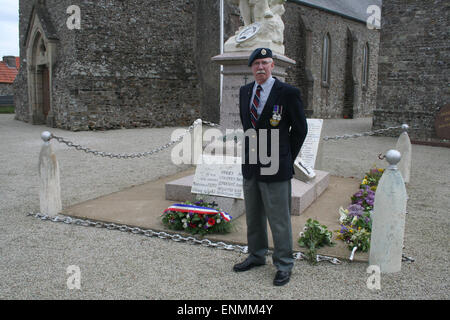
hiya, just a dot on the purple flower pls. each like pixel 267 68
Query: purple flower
pixel 359 193
pixel 356 209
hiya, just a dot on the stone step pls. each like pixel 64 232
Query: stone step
pixel 303 194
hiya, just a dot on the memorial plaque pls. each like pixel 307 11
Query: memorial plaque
pixel 229 111
pixel 308 153
pixel 442 123
pixel 216 178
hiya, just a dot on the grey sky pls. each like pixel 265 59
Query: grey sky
pixel 9 28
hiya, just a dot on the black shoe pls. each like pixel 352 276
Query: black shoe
pixel 281 278
pixel 246 265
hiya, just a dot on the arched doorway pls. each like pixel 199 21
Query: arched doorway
pixel 41 43
pixel 40 53
pixel 39 80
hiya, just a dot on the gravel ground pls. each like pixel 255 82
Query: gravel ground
pixel 117 265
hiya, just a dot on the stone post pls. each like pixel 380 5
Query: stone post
pixel 404 147
pixel 389 212
pixel 197 142
pixel 50 189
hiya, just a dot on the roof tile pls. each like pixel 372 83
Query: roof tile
pixel 8 74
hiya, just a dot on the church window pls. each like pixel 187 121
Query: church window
pixel 365 66
pixel 326 60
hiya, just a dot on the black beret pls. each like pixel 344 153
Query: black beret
pixel 259 53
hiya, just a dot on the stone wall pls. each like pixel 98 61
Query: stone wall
pixel 6 89
pixel 305 29
pixel 414 65
pixel 20 83
pixel 123 70
pixel 148 62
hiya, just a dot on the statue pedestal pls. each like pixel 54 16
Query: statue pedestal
pixel 237 73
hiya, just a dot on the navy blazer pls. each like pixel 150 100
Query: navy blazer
pixel 292 130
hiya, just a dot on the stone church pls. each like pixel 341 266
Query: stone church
pixel 414 67
pixel 143 63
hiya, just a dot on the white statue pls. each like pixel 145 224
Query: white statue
pixel 254 10
pixel 263 26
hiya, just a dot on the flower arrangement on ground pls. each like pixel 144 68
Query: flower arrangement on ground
pixel 197 218
pixel 372 178
pixel 314 236
pixel 356 220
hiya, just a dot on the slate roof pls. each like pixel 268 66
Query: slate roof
pixel 355 9
pixel 8 74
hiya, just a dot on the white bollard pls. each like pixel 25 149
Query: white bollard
pixel 50 190
pixel 389 212
pixel 197 142
pixel 404 147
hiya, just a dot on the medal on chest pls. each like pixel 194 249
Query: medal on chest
pixel 276 115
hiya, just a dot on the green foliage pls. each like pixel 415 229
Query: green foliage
pixel 7 109
pixel 314 236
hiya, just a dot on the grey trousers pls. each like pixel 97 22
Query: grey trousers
pixel 269 201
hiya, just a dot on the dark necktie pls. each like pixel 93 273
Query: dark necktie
pixel 254 106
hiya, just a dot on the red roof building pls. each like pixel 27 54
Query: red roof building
pixel 9 68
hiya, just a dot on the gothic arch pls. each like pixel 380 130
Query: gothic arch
pixel 326 60
pixel 349 83
pixel 41 52
pixel 304 74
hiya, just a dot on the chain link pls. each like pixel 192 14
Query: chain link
pixel 358 135
pixel 70 144
pixel 197 122
pixel 163 235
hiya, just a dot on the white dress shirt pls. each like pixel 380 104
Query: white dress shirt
pixel 264 94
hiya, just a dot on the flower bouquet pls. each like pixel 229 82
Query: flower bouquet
pixel 356 226
pixel 314 236
pixel 372 178
pixel 356 220
pixel 197 218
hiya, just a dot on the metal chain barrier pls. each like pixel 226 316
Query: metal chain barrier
pixel 164 235
pixel 131 155
pixel 177 237
pixel 70 144
pixel 363 134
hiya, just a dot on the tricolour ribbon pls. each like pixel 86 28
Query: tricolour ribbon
pixel 197 209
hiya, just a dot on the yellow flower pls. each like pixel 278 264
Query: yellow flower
pixel 373 188
pixel 364 181
pixel 380 170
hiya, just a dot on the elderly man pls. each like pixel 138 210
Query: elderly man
pixel 269 104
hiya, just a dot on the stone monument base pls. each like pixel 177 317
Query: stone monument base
pixel 303 194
